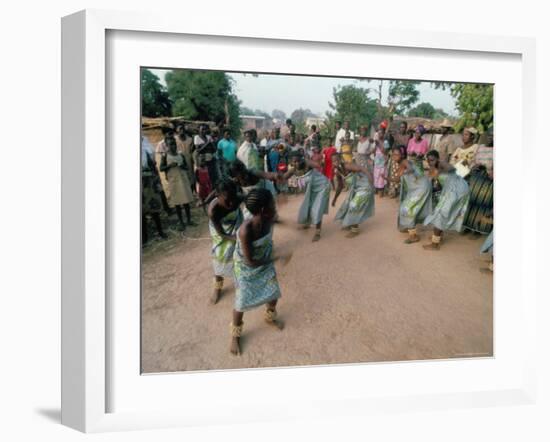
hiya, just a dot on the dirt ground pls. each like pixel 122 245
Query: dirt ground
pixel 370 298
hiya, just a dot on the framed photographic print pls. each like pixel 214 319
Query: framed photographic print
pixel 248 239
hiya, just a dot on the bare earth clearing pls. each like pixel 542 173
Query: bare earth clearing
pixel 370 298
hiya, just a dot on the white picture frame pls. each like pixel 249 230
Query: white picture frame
pixel 85 199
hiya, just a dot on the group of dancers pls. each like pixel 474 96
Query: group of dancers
pixel 242 214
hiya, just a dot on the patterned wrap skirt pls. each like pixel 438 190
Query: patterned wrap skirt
pixel 487 246
pixel 223 249
pixel 316 198
pixel 453 203
pixel 415 202
pixel 359 204
pixel 255 286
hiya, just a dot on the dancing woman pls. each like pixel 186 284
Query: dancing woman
pixel 225 218
pixel 415 202
pixel 254 269
pixel 316 195
pixel 449 212
pixel 359 204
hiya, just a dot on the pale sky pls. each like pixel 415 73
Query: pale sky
pixel 290 92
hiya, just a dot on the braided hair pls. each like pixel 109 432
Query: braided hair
pixel 258 199
pixel 227 187
pixel 237 168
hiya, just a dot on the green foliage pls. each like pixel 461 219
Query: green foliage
pixel 402 95
pixel 206 96
pixel 424 110
pixel 351 103
pixel 475 104
pixel 155 101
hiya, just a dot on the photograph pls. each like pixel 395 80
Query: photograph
pixel 304 220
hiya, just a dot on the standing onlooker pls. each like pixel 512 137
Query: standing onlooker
pixel 418 146
pixel 347 148
pixel 341 134
pixel 185 146
pixel 402 138
pixel 286 129
pixel 179 190
pixel 227 147
pixel 328 167
pixel 203 183
pixel 463 156
pixel 160 149
pixel 379 164
pixel 248 153
pixel 205 151
pixel 151 203
pixel 364 149
pixel 445 145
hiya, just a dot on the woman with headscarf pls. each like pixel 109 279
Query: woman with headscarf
pixel 462 157
pixel 418 146
pixel 415 202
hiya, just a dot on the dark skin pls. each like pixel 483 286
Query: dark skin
pixel 217 210
pixel 165 167
pixel 251 230
pixel 342 169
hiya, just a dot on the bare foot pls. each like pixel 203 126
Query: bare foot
pixel 277 323
pixel 486 270
pixel 431 246
pixel 235 348
pixel 316 237
pixel 215 296
pixel 412 239
pixel 352 234
pixel 304 227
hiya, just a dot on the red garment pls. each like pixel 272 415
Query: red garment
pixel 282 167
pixel 327 154
pixel 203 180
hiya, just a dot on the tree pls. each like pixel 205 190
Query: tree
pixel 424 110
pixel 299 116
pixel 352 103
pixel 474 103
pixel 155 101
pixel 278 114
pixel 206 96
pixel 402 95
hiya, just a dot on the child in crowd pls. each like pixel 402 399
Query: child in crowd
pixel 394 170
pixel 347 149
pixel 204 186
pixel 379 164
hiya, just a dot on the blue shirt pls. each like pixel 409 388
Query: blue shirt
pixel 228 149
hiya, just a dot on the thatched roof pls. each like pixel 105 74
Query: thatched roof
pixel 431 126
pixel 152 127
